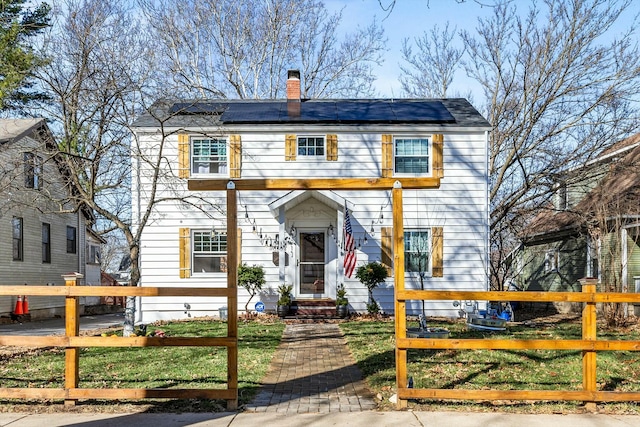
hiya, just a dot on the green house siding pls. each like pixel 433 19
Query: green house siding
pixel 570 266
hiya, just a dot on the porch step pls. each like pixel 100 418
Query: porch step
pixel 313 308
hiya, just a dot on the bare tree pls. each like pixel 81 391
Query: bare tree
pixel 555 92
pixel 99 81
pixel 430 72
pixel 556 87
pixel 242 48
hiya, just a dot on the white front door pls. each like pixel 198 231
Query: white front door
pixel 312 265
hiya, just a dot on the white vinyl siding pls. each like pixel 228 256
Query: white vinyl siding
pixel 459 206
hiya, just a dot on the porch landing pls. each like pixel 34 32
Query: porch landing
pixel 317 308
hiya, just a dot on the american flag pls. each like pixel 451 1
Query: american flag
pixel 349 246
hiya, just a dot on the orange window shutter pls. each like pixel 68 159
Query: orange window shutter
pixel 185 253
pixel 235 156
pixel 438 160
pixel 290 147
pixel 387 156
pixel 437 261
pixel 386 242
pixel 332 148
pixel 183 155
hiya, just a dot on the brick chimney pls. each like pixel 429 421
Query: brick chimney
pixel 293 85
pixel 293 93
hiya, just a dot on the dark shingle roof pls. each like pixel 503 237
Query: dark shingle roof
pixel 447 112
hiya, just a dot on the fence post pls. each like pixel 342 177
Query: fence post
pixel 400 307
pixel 589 334
pixel 72 329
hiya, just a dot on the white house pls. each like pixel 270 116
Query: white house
pixel 40 244
pixel 298 235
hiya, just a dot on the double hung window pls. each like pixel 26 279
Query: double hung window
pixel 17 232
pixel 209 156
pixel 417 250
pixel 46 243
pixel 411 155
pixel 32 171
pixel 72 240
pixel 209 252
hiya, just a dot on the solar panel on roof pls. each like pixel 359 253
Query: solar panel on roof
pixel 252 112
pixel 197 108
pixel 371 111
pixel 423 111
pixel 325 111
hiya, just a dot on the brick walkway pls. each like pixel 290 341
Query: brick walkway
pixel 312 371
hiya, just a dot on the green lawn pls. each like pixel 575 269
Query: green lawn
pixel 372 343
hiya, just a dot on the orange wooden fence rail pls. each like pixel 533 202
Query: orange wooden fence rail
pixel 72 342
pixel 589 345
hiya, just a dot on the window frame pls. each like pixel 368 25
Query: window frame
pixel 72 240
pixel 94 254
pixel 217 240
pixel 429 155
pixel 33 170
pixel 551 260
pixel 46 243
pixel 17 241
pixel 407 253
pixel 220 161
pixel 304 156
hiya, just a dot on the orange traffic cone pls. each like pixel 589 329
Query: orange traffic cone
pixel 25 305
pixel 19 306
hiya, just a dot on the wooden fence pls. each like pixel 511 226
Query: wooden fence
pixel 72 343
pixel 589 345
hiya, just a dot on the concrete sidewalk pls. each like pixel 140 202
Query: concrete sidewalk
pixel 359 419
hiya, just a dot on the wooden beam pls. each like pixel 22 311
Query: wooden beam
pixel 72 329
pixel 313 184
pixel 233 256
pixel 398 280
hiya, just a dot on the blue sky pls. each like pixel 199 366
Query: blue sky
pixel 411 18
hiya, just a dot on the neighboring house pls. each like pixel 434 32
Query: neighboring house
pixel 592 229
pixel 40 245
pixel 298 235
pixel 93 269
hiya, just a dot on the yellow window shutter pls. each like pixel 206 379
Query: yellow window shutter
pixel 235 156
pixel 386 246
pixel 183 155
pixel 332 148
pixel 290 147
pixel 387 156
pixel 438 161
pixel 437 267
pixel 185 253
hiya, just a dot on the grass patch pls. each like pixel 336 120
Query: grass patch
pixel 157 367
pixel 373 345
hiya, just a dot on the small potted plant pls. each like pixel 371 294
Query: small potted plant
pixel 284 299
pixel 342 303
